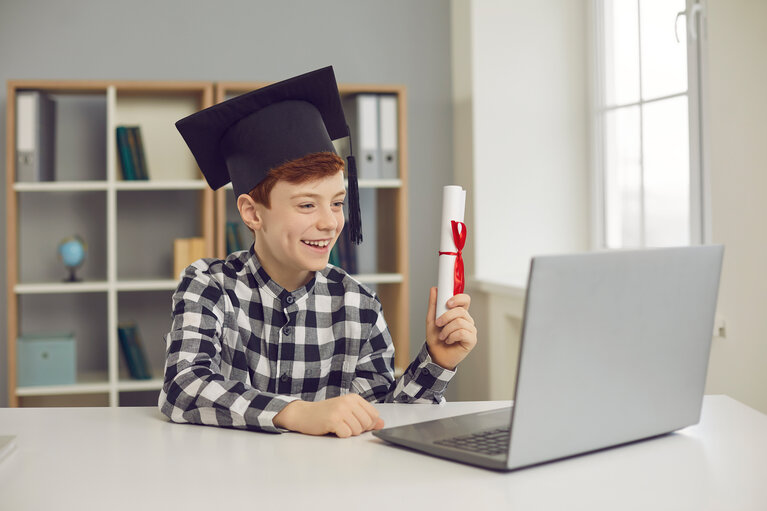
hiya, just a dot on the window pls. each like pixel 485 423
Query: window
pixel 649 176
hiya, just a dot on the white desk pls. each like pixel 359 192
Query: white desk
pixel 132 458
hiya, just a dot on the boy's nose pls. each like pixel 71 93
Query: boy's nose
pixel 327 221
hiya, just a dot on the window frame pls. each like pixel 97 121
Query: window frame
pixel 699 177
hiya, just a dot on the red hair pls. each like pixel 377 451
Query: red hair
pixel 307 168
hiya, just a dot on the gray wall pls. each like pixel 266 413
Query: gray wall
pixel 397 41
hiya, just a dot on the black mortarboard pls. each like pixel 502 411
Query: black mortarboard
pixel 243 138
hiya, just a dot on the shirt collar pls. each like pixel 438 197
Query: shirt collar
pixel 264 281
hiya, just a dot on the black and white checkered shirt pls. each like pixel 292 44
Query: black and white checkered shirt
pixel 241 347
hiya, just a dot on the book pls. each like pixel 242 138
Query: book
pixel 334 259
pixel 185 252
pixel 138 153
pixel 366 253
pixel 133 350
pixel 130 148
pixel 35 136
pixel 124 152
pixel 233 238
pixel 347 255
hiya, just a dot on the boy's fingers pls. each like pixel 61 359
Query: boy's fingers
pixel 459 300
pixel 432 310
pixel 354 424
pixel 462 336
pixel 453 314
pixel 342 430
pixel 371 410
pixel 364 417
pixel 457 324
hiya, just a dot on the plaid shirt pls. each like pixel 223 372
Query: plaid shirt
pixel 241 347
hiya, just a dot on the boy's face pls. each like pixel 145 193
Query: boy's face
pixel 295 235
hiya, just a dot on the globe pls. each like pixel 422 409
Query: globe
pixel 72 254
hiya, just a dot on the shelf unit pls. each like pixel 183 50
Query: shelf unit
pixel 115 285
pixel 390 278
pixel 91 190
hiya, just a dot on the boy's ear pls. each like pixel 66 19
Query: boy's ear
pixel 250 212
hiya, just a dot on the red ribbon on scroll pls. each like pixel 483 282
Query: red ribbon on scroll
pixel 459 238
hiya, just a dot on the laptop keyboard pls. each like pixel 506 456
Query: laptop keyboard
pixel 491 442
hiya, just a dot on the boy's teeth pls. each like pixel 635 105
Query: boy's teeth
pixel 317 243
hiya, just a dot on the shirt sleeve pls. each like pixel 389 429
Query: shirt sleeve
pixel 194 388
pixel 423 381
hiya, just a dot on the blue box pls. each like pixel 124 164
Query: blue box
pixel 46 360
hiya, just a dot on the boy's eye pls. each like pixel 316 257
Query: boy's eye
pixel 306 206
pixel 339 204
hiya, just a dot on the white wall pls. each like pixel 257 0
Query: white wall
pixel 521 147
pixel 736 136
pixel 530 119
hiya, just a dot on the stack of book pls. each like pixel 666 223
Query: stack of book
pixel 233 239
pixel 185 252
pixel 133 351
pixel 131 151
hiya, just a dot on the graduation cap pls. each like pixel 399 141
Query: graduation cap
pixel 243 138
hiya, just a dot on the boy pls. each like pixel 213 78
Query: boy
pixel 274 338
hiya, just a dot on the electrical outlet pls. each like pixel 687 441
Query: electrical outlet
pixel 720 327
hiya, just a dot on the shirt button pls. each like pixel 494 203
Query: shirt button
pixel 425 372
pixel 290 299
pixel 402 398
pixel 287 330
pixel 284 378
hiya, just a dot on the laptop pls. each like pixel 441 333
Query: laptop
pixel 614 349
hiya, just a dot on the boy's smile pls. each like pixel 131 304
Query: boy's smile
pixel 294 237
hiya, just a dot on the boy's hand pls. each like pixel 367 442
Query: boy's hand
pixel 452 335
pixel 345 416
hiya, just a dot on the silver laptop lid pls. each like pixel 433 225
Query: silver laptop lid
pixel 615 348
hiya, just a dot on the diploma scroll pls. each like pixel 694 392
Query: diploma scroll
pixel 452 234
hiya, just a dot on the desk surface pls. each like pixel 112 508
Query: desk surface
pixel 129 458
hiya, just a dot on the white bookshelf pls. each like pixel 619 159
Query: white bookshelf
pixel 118 288
pixel 154 106
pixel 61 287
pixel 66 186
pixel 379 278
pixel 87 383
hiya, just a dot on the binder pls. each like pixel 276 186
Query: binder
pixel 35 136
pixel 362 115
pixel 133 351
pixel 140 156
pixel 185 252
pixel 388 136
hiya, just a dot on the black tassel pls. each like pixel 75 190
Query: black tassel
pixel 355 218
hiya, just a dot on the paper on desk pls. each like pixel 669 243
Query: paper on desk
pixel 453 206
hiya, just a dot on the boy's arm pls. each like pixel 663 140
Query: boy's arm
pixel 194 388
pixel 423 381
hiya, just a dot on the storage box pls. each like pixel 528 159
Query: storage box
pixel 46 360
